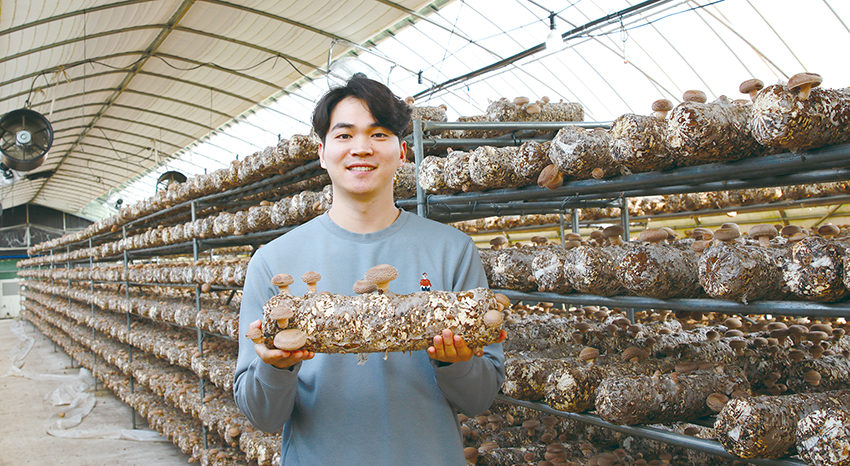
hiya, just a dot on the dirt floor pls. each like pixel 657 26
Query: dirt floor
pixel 24 415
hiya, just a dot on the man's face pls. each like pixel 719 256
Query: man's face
pixel 361 157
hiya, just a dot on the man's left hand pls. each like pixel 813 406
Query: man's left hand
pixel 451 348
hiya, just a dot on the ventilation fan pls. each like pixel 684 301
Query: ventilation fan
pixel 169 178
pixel 25 138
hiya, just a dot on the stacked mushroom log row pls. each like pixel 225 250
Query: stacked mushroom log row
pixel 646 373
pixel 176 380
pixel 721 264
pixel 668 204
pixel 793 116
pixel 181 428
pixel 278 159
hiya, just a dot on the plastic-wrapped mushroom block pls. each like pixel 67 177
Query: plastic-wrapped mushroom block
pixel 383 322
pixel 781 118
pixel 765 426
pixel 659 271
pixel 556 111
pixel 432 175
pixel 303 148
pixel 575 388
pixel 259 218
pixel 404 181
pixel 547 267
pixel 815 269
pixel 531 158
pixel 718 131
pixel 261 447
pixel 823 438
pixel 577 152
pixel 511 270
pixel 757 362
pixel 662 398
pixel 426 113
pixel 819 375
pixel 525 379
pixel 639 144
pixel 456 172
pixel 593 270
pixel 739 272
pixel 492 167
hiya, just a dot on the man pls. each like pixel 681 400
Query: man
pixel 395 408
pixel 424 284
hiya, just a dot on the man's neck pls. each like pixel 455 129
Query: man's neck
pixel 363 217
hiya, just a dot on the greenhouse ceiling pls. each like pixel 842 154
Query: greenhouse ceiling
pixel 135 88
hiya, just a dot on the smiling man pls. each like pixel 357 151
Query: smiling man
pixel 394 408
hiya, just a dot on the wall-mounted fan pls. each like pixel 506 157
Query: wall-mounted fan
pixel 168 178
pixel 25 138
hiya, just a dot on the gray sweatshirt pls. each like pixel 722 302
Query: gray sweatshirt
pixel 398 409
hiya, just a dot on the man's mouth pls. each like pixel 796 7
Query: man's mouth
pixel 361 169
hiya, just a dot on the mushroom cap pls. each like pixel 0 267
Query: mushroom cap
pixel 498 241
pixel 731 225
pixel 751 85
pixel 364 286
pixel 533 109
pixel 282 311
pixel 588 353
pixel 733 322
pixel 694 96
pixel 653 234
pixel 254 333
pixel 290 339
pixel 764 229
pixel 470 454
pixel 738 344
pixel 282 279
pixel 493 318
pixel 572 237
pixel 632 352
pixel 701 232
pixel 812 378
pixel 550 177
pixel 828 229
pixel 537 239
pixel 521 100
pixel 826 328
pixel 671 233
pixel 699 245
pixel 733 332
pixel 311 277
pixel 612 230
pixel 716 401
pixel 802 79
pixel 789 230
pixel 726 234
pixel 662 105
pixel 382 273
pixel 503 300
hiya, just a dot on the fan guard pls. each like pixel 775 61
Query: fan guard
pixel 25 138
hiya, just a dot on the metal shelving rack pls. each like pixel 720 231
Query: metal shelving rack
pixel 823 165
pixel 829 164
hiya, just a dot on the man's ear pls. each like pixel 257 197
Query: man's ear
pixel 322 155
pixel 403 151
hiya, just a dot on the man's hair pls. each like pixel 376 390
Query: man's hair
pixel 388 110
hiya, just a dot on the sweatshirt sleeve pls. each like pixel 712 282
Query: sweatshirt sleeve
pixel 264 393
pixel 471 386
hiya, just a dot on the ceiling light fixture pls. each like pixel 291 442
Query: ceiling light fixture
pixel 554 41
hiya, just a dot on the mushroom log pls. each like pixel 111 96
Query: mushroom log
pixel 379 321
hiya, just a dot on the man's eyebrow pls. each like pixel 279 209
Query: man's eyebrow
pixel 342 125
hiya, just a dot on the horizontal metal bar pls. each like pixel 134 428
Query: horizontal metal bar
pixel 701 175
pixel 510 125
pixel 788 308
pixel 670 438
pixel 480 142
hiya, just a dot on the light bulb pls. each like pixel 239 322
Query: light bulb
pixel 554 41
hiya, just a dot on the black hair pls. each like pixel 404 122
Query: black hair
pixel 388 110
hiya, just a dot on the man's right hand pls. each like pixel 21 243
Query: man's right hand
pixel 279 358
